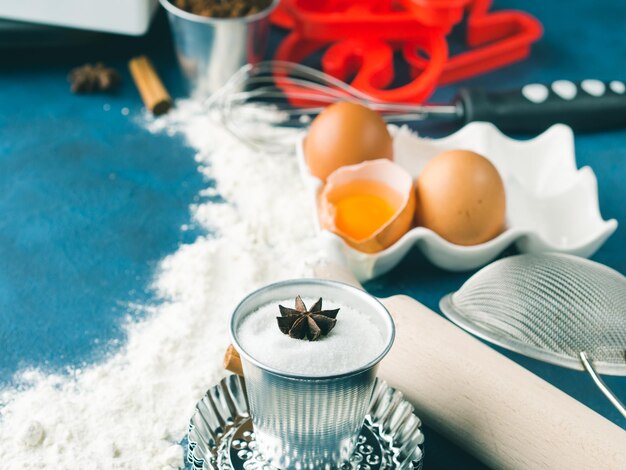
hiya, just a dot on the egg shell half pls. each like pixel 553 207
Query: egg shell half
pixel 400 193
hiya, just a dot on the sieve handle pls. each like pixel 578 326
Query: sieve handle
pixel 495 409
pixel 604 388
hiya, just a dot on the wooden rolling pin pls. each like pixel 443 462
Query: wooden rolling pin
pixel 487 404
pixel 504 415
pixel 495 409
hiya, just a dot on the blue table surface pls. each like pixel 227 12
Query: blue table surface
pixel 90 201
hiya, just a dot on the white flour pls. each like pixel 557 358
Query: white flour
pixel 131 410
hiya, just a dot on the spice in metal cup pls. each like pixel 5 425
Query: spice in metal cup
pixel 308 399
pixel 210 50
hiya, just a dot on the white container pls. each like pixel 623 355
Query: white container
pixel 130 17
pixel 551 205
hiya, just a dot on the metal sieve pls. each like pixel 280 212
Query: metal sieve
pixel 556 308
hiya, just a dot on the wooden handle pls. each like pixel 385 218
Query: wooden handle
pixel 495 409
pixel 337 271
pixel 232 360
pixel 501 413
pixel 153 93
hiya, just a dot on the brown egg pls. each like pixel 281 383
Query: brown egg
pixel 460 196
pixel 345 134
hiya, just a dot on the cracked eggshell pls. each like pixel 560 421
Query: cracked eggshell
pixel 400 195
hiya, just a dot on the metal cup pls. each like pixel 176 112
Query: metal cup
pixel 210 50
pixel 304 422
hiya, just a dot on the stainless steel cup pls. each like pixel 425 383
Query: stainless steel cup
pixel 210 50
pixel 303 422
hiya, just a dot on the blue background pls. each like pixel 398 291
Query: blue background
pixel 90 201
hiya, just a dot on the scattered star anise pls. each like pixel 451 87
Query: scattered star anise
pixel 90 78
pixel 301 323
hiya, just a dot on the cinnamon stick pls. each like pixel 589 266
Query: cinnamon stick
pixel 232 361
pixel 153 93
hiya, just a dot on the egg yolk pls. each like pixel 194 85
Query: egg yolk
pixel 360 215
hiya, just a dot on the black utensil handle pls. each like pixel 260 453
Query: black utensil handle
pixel 587 106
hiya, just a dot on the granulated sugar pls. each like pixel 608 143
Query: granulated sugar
pixel 353 342
pixel 132 410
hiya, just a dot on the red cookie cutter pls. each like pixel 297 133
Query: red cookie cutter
pixel 361 36
pixel 496 38
pixel 438 12
pixel 369 62
pixel 380 19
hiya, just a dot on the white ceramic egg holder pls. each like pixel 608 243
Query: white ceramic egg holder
pixel 551 205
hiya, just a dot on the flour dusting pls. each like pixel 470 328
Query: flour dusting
pixel 132 410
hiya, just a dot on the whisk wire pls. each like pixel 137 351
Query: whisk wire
pixel 290 95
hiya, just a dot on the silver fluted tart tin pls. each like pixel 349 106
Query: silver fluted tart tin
pixel 302 421
pixel 221 436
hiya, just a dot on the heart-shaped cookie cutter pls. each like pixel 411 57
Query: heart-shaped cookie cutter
pixel 387 19
pixel 496 39
pixel 361 37
pixel 370 64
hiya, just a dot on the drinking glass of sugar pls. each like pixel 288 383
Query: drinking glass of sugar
pixel 308 399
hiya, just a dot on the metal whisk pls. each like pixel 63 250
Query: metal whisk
pixel 557 308
pixel 262 103
pixel 290 95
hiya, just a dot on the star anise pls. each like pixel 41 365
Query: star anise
pixel 90 78
pixel 301 323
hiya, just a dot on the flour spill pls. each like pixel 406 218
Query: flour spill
pixel 131 410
